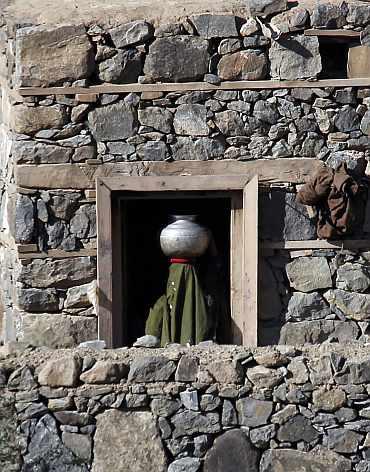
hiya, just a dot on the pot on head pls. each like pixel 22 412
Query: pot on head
pixel 184 237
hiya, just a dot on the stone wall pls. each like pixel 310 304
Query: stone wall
pixel 47 297
pixel 186 409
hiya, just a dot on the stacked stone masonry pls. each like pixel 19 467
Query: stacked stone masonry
pixel 48 301
pixel 277 409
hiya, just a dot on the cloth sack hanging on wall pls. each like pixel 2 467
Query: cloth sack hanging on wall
pixel 340 199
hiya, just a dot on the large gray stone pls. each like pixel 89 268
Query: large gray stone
pixel 253 412
pixel 24 219
pixel 307 306
pixel 79 444
pixel 30 120
pixel 215 26
pixel 243 65
pixel 353 305
pixel 319 460
pixel 151 369
pixel 121 443
pixel 31 152
pixel 347 119
pixel 365 123
pixel 344 441
pixel 83 223
pixel 44 273
pixel 266 111
pixel 164 406
pixel 113 122
pixel 123 68
pixel 297 429
pixel 353 277
pixel 309 273
pixel 46 450
pixel 307 332
pixel 178 58
pixel 191 422
pixel 230 123
pixel 10 458
pixel 294 19
pixel 105 372
pixel 244 456
pixel 358 13
pixel 80 296
pixel 152 151
pixel 327 15
pixel 296 57
pixel 63 203
pixel 57 331
pixel 157 118
pixel 191 120
pixel 263 377
pixel 134 32
pixel 225 372
pixel 36 300
pixel 265 7
pixel 51 55
pixel 61 372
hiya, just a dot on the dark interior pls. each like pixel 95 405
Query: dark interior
pixel 145 266
pixel 334 57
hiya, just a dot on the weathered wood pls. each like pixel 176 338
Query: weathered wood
pixel 358 64
pixel 248 325
pixel 236 266
pixel 317 244
pixel 56 254
pixel 193 86
pixel 23 248
pixel 75 176
pixel 87 97
pixel 105 265
pixel 339 33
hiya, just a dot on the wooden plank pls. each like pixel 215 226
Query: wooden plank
pixel 317 244
pixel 23 248
pixel 193 86
pixel 105 264
pixel 236 266
pixel 57 254
pixel 339 33
pixel 119 317
pixel 87 97
pixel 249 324
pixel 77 176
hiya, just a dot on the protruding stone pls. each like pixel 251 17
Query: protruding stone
pixel 215 26
pixel 105 372
pixel 265 7
pixel 353 305
pixel 135 32
pixel 62 372
pixel 307 306
pixel 35 300
pixel 151 369
pixel 253 412
pixel 113 122
pixel 263 377
pixel 329 400
pixel 328 15
pixel 294 19
pixel 178 58
pixel 157 118
pixel 191 120
pixel 225 372
pixel 344 441
pixel 243 65
pixel 30 120
pixel 123 68
pixel 31 152
pixel 308 274
pixel 187 369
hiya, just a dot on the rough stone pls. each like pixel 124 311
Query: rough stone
pixel 157 118
pixel 329 400
pixel 352 277
pixel 151 369
pixel 244 455
pixel 152 151
pixel 353 305
pixel 344 441
pixel 52 55
pixel 63 203
pixel 83 223
pixel 187 369
pixel 191 422
pixel 24 219
pixel 35 300
pixel 308 274
pixel 180 58
pixel 63 372
pixel 165 406
pixel 266 111
pixel 307 306
pixel 123 68
pixel 265 7
pixel 105 372
pixel 243 65
pixel 294 19
pixel 120 439
pixel 79 297
pixel 229 415
pixel 297 429
pixel 229 123
pixel 113 122
pixel 307 332
pixel 228 46
pixel 215 26
pixel 358 14
pixel 44 273
pixel 347 119
pixel 30 120
pixel 59 331
pixel 30 152
pixel 319 460
pixel 263 377
pixel 186 464
pixel 253 412
pixel 261 437
pixel 79 444
pixel 365 123
pixel 326 15
pixel 135 32
pixel 225 372
pixel 295 58
pixel 10 459
pixel 191 120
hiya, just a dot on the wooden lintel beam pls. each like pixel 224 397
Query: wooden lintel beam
pixel 338 33
pixel 193 86
pixel 317 244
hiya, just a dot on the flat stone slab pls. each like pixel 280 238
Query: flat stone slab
pixel 121 440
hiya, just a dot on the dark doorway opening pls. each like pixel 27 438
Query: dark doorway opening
pixel 334 57
pixel 145 268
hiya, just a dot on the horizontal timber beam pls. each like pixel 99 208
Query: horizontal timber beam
pixel 82 177
pixel 317 244
pixel 333 33
pixel 194 86
pixel 57 254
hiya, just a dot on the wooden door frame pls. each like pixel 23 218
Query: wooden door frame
pixel 244 251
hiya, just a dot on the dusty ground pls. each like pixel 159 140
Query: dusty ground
pixel 112 12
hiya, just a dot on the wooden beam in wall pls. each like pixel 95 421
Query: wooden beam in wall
pixel 193 86
pixel 317 244
pixel 82 177
pixel 334 33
